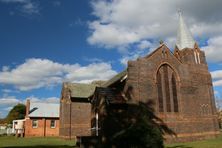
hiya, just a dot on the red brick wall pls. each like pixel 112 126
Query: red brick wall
pixel 81 119
pixel 80 122
pixel 43 128
pixel 196 118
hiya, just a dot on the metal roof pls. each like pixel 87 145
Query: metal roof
pixel 184 37
pixel 44 110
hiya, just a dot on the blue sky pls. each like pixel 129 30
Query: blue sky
pixel 44 43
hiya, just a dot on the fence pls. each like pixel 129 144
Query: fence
pixel 7 131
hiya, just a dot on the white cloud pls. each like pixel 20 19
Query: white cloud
pixel 45 100
pixel 133 55
pixel 32 99
pixel 56 3
pixel 5 68
pixel 217 77
pixel 91 72
pixel 217 83
pixel 123 23
pixel 25 6
pixel 144 44
pixel 14 1
pixel 30 8
pixel 216 92
pixel 93 60
pixel 9 101
pixel 6 90
pixel 216 74
pixel 206 28
pixel 218 102
pixel 214 49
pixel 37 73
pixel 8 108
pixel 9 91
pixel 6 104
pixel 52 100
pixel 141 49
pixel 111 35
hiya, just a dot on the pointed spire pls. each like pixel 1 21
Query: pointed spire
pixel 184 37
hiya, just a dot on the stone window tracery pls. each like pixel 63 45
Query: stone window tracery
pixel 204 109
pixel 167 89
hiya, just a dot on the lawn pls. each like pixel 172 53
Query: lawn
pixel 211 143
pixel 10 141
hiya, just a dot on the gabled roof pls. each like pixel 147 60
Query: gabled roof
pixel 184 37
pixel 111 96
pixel 116 78
pixel 156 50
pixel 48 110
pixel 79 90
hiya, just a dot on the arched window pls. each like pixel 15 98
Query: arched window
pixel 160 94
pixel 167 89
pixel 174 89
pixel 197 57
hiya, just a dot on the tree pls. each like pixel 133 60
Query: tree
pixel 133 125
pixel 121 121
pixel 17 112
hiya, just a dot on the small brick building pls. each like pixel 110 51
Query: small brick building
pixel 75 110
pixel 42 119
pixel 178 81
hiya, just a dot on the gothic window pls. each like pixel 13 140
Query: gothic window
pixel 174 92
pixel 167 89
pixel 160 95
pixel 204 109
pixel 197 57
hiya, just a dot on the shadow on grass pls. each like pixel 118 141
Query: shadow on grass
pixel 178 146
pixel 42 146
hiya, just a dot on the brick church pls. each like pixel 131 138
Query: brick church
pixel 179 83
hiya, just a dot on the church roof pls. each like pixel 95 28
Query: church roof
pixel 116 78
pixel 184 37
pixel 80 90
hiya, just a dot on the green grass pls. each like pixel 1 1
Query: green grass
pixel 10 141
pixel 211 143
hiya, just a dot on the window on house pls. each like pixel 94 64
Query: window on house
pixel 53 124
pixel 34 123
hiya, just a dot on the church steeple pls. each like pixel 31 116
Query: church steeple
pixel 184 37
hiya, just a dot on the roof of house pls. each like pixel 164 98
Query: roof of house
pixel 44 110
pixel 79 90
pixel 117 77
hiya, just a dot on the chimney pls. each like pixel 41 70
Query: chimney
pixel 27 108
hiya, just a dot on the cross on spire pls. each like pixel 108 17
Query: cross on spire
pixel 179 12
